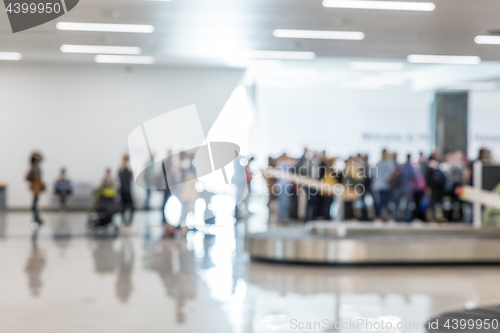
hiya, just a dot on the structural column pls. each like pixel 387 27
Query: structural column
pixel 449 121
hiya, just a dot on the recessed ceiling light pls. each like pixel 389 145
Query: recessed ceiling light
pixel 287 55
pixel 10 56
pixel 319 34
pixel 66 48
pixel 443 59
pixel 376 66
pixel 106 27
pixel 115 59
pixel 495 40
pixel 387 5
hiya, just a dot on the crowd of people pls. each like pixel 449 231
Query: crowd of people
pixel 176 176
pixel 63 187
pixel 422 188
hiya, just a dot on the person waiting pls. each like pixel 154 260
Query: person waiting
pixel 63 189
pixel 37 186
pixel 381 186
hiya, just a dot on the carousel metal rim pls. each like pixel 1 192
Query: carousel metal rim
pixel 298 233
pixel 361 252
pixel 298 245
pixel 320 226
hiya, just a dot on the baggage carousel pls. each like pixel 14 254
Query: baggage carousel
pixel 376 243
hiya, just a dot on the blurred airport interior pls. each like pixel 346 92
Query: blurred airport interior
pixel 249 166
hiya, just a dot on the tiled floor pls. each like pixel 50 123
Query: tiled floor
pixel 64 281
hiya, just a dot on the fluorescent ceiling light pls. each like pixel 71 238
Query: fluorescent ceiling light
pixel 66 48
pixel 106 27
pixel 377 66
pixel 387 5
pixel 443 59
pixel 319 34
pixel 494 40
pixel 253 63
pixel 116 59
pixel 10 56
pixel 475 86
pixel 288 55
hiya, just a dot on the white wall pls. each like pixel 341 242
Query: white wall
pixel 484 120
pixel 342 121
pixel 329 117
pixel 80 117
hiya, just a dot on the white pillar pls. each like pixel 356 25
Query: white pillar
pixel 477 177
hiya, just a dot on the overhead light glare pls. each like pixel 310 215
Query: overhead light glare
pixel 319 34
pixel 492 40
pixel 443 59
pixel 376 66
pixel 105 27
pixel 10 56
pixel 67 48
pixel 115 59
pixel 385 5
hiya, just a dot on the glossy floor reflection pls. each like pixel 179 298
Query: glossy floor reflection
pixel 63 281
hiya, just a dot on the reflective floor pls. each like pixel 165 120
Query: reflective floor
pixel 64 281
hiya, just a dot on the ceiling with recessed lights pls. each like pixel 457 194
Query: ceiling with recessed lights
pixel 213 32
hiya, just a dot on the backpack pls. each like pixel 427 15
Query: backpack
pixel 396 178
pixel 438 179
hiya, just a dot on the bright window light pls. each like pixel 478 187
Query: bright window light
pixel 288 55
pixel 67 48
pixel 443 59
pixel 377 66
pixel 319 34
pixel 106 27
pixel 494 40
pixel 114 59
pixel 10 56
pixel 387 5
